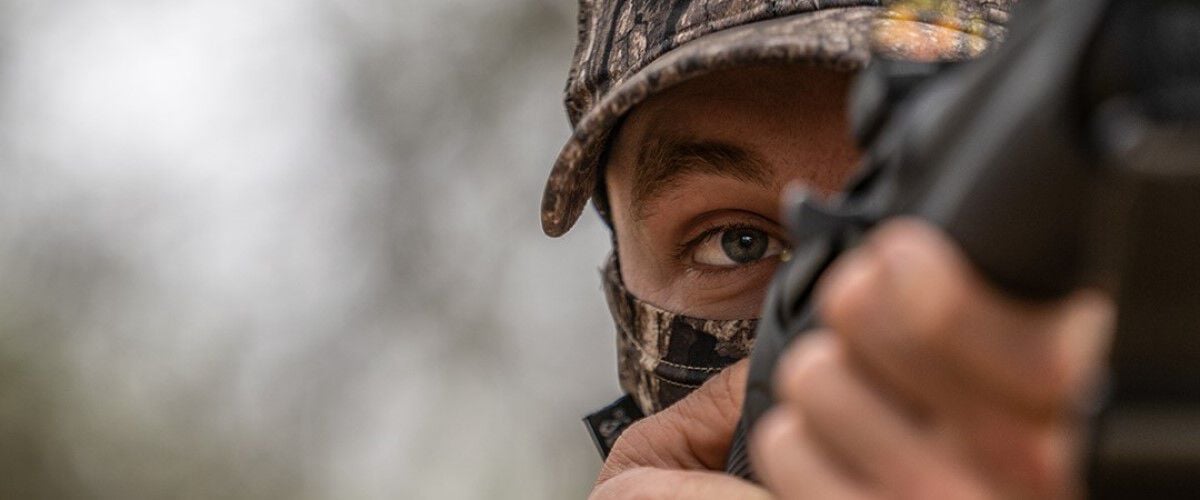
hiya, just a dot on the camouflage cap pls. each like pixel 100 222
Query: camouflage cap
pixel 631 49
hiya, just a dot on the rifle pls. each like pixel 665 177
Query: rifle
pixel 1068 157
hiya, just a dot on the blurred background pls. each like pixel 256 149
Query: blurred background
pixel 290 249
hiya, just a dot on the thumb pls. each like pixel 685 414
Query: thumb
pixel 658 483
pixel 694 433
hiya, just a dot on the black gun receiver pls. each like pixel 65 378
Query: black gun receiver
pixel 1067 157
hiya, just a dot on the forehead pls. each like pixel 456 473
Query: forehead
pixel 760 126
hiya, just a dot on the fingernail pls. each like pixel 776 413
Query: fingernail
pixel 796 360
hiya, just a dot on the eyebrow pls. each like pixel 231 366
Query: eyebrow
pixel 664 162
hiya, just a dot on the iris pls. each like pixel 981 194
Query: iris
pixel 744 245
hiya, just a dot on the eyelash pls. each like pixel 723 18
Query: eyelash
pixel 681 253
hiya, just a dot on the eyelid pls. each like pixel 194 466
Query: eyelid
pixel 685 250
pixel 719 220
pixel 687 247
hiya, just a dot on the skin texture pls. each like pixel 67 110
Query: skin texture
pixel 927 383
pixel 791 119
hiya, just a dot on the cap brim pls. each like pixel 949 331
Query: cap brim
pixel 839 38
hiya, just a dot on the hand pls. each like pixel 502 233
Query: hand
pixel 930 384
pixel 680 451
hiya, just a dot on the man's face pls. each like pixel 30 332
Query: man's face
pixel 695 175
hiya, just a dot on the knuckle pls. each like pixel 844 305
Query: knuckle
pixel 837 307
pixel 933 293
pixel 805 365
pixel 842 302
pixel 943 314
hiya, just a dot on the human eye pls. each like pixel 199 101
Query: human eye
pixel 734 246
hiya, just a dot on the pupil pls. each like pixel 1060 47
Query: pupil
pixel 744 245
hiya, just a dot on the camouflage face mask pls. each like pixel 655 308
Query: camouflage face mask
pixel 663 356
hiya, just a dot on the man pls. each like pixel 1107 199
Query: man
pixel 690 118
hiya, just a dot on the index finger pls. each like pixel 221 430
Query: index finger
pixel 924 303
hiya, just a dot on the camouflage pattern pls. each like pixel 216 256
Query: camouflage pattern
pixel 631 49
pixel 662 356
